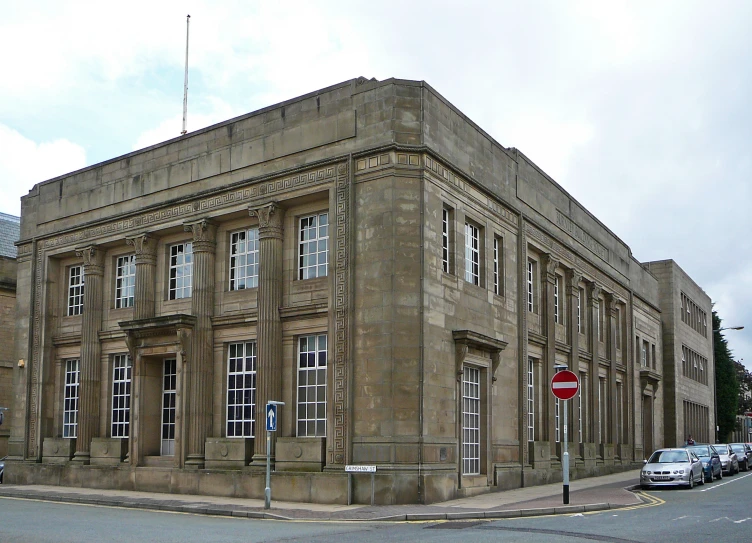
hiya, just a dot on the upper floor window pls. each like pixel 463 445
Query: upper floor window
pixel 530 285
pixel 445 231
pixel 125 281
pixel 557 289
pixel 579 318
pixel 70 399
pixel 497 266
pixel 314 246
pixel 472 254
pixel 244 259
pixel 75 290
pixel 181 270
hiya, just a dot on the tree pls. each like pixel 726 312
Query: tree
pixel 726 383
pixel 744 378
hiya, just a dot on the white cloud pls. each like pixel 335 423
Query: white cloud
pixel 24 163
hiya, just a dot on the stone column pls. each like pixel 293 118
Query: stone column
pixel 146 264
pixel 573 278
pixel 594 291
pixel 201 364
pixel 90 364
pixel 269 331
pixel 548 327
pixel 612 305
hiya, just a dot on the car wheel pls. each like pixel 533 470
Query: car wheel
pixel 691 481
pixel 701 480
pixel 720 473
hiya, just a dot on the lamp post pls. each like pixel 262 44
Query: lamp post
pixel 715 387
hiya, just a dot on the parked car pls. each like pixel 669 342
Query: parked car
pixel 711 461
pixel 743 455
pixel 668 467
pixel 729 460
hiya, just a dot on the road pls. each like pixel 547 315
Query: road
pixel 718 511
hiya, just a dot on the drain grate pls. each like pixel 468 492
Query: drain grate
pixel 455 525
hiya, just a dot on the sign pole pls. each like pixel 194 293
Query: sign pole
pixel 268 489
pixel 565 460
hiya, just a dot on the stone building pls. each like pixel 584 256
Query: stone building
pixel 364 253
pixel 688 368
pixel 9 228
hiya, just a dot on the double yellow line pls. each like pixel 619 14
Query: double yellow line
pixel 649 499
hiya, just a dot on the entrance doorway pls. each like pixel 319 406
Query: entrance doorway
pixel 169 390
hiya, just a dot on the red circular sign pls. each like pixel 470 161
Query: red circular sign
pixel 565 385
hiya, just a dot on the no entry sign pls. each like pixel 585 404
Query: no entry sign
pixel 565 384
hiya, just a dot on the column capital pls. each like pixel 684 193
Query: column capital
pixel 145 248
pixel 549 266
pixel 612 302
pixel 204 235
pixel 573 277
pixel 270 217
pixel 93 258
pixel 594 291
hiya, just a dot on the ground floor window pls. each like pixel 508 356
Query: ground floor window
pixel 530 400
pixel 169 391
pixel 70 398
pixel 121 395
pixel 471 421
pixel 241 389
pixel 312 386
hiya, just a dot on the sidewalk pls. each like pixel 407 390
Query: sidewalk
pixel 592 494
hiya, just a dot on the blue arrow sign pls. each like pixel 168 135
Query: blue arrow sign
pixel 271 417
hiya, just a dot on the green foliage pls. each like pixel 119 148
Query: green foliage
pixel 744 378
pixel 726 383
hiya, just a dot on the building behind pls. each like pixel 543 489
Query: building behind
pixel 9 231
pixel 364 253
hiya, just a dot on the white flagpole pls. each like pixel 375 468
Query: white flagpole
pixel 185 84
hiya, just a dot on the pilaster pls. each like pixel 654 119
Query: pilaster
pixel 594 292
pixel 612 308
pixel 200 366
pixel 90 367
pixel 548 326
pixel 269 335
pixel 145 248
pixel 573 278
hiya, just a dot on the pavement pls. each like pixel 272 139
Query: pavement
pixel 591 494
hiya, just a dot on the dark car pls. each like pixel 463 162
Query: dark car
pixel 711 461
pixel 743 455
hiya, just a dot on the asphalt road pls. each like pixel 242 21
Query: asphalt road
pixel 719 511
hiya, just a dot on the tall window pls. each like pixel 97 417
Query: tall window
pixel 75 290
pixel 598 330
pixel 472 254
pixel 602 416
pixel 497 250
pixel 241 389
pixel 557 284
pixel 645 354
pixel 530 401
pixel 314 246
pixel 169 394
pixel 579 405
pixel 70 399
pixel 471 421
pixel 579 318
pixel 181 270
pixel 244 259
pixel 125 281
pixel 530 284
pixel 121 395
pixel 312 386
pixel 445 232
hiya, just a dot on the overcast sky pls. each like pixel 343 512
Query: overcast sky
pixel 641 110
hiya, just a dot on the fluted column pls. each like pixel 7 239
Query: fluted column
pixel 89 369
pixel 612 304
pixel 200 366
pixel 573 278
pixel 594 292
pixel 146 264
pixel 548 280
pixel 269 331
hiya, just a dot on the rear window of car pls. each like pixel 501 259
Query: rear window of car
pixel 738 449
pixel 700 451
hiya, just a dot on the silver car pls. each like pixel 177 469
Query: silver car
pixel 669 467
pixel 729 460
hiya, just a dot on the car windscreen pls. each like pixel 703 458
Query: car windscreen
pixel 721 449
pixel 668 457
pixel 701 451
pixel 738 449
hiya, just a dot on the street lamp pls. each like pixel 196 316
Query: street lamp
pixel 715 388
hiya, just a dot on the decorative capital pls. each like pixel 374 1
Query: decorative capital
pixel 93 259
pixel 204 235
pixel 612 304
pixel 145 248
pixel 573 281
pixel 549 265
pixel 460 351
pixel 270 217
pixel 594 292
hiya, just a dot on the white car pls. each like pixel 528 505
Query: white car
pixel 669 467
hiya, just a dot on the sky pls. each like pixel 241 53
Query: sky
pixel 641 110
